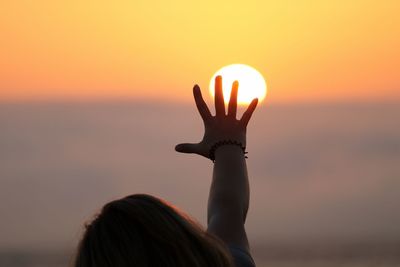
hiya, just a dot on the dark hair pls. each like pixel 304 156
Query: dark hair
pixel 142 230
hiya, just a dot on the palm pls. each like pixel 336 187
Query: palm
pixel 222 126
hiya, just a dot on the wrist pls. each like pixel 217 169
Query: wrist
pixel 229 153
pixel 227 147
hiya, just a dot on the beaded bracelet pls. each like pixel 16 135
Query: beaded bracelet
pixel 225 142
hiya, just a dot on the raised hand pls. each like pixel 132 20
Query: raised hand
pixel 222 126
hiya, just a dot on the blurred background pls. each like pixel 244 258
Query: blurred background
pixel 94 96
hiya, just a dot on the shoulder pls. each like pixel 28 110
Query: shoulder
pixel 241 257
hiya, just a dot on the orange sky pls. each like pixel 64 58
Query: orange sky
pixel 307 50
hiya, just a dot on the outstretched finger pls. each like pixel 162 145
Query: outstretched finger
pixel 232 108
pixel 201 105
pixel 187 148
pixel 247 114
pixel 219 98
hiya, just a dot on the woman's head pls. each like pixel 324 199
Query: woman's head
pixel 141 230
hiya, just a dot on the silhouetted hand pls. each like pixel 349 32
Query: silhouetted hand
pixel 221 126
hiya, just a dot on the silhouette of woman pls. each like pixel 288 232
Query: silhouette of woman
pixel 142 230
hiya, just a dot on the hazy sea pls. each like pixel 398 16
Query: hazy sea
pixel 325 178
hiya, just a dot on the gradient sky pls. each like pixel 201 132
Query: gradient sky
pixel 307 50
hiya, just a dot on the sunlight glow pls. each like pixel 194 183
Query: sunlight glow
pixel 251 83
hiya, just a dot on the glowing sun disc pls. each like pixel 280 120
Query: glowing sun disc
pixel 251 83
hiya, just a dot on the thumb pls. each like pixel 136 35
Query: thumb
pixel 187 148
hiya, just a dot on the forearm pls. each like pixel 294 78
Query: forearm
pixel 230 186
pixel 229 195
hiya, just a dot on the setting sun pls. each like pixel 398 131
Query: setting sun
pixel 251 83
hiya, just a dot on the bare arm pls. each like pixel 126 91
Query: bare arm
pixel 229 194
